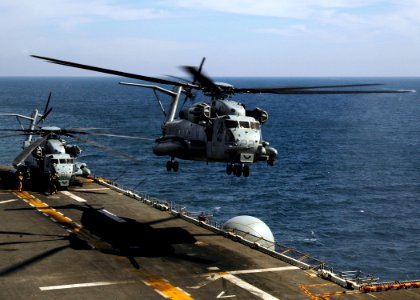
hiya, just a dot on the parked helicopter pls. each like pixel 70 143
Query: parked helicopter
pixel 219 131
pixel 51 154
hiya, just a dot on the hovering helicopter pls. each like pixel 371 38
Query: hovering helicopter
pixel 51 154
pixel 222 130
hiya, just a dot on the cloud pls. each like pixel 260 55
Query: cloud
pixel 274 8
pixel 70 13
pixel 151 35
pixel 348 15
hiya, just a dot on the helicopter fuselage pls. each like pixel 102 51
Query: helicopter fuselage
pixel 55 156
pixel 221 132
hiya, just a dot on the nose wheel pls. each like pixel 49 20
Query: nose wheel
pixel 172 165
pixel 237 169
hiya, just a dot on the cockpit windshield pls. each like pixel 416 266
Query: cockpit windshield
pixel 255 125
pixel 62 161
pixel 242 124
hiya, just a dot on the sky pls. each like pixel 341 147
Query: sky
pixel 237 37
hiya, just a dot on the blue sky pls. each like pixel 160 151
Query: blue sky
pixel 238 37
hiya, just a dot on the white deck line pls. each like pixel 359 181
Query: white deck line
pixel 7 201
pixel 264 270
pixel 249 287
pixel 73 196
pixel 80 285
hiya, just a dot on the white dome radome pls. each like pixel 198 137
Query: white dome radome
pixel 252 229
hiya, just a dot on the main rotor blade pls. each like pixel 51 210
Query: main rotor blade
pixel 105 148
pixel 201 78
pixel 113 72
pixel 179 78
pixel 296 90
pixel 71 131
pixel 48 103
pixel 200 68
pixel 28 150
pixel 44 116
pixel 82 130
pixel 117 135
pixel 12 135
pixel 309 92
pixel 189 93
pixel 201 65
pixel 86 128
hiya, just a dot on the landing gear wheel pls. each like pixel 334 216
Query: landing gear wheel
pixel 168 166
pixel 245 171
pixel 172 165
pixel 237 170
pixel 175 166
pixel 229 169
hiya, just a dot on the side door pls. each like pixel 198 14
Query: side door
pixel 215 147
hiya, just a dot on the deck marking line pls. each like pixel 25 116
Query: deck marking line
pixel 87 190
pixel 80 285
pixel 249 287
pixel 45 209
pixel 222 295
pixel 210 277
pixel 7 201
pixel 167 290
pixel 73 196
pixel 264 270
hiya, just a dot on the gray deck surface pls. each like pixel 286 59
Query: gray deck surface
pixel 73 251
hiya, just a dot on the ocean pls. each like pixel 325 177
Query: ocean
pixel 345 189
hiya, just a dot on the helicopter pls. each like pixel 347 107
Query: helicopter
pixel 221 130
pixel 51 154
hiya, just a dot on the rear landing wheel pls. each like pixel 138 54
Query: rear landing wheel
pixel 172 165
pixel 245 171
pixel 168 166
pixel 237 170
pixel 229 169
pixel 175 166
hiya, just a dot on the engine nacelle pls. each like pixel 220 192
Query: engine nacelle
pixel 258 114
pixel 196 113
pixel 228 107
pixel 38 152
pixel 73 150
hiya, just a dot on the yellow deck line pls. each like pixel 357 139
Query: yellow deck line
pixel 48 211
pixel 167 290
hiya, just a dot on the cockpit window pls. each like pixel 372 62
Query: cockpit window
pixel 255 125
pixel 243 124
pixel 231 124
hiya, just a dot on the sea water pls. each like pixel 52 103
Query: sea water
pixel 345 188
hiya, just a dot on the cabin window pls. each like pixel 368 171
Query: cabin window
pixel 54 161
pixel 231 124
pixel 63 161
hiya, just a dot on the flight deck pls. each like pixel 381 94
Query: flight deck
pixel 98 241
